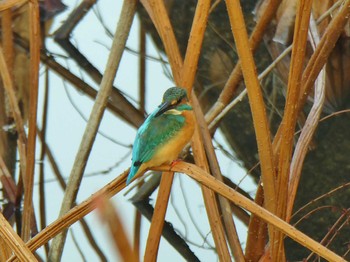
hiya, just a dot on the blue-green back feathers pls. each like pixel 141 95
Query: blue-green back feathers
pixel 154 132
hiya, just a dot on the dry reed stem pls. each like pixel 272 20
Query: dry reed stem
pixel 119 41
pixel 257 232
pixel 157 11
pixel 260 121
pixel 218 111
pixel 158 14
pixel 142 95
pixel 7 38
pixel 35 43
pixel 137 234
pixel 16 113
pixel 323 50
pixel 210 200
pixel 316 62
pixel 226 211
pixel 43 146
pixel 142 69
pixel 5 250
pixel 189 67
pixel 7 181
pixel 202 177
pixel 236 75
pixel 256 101
pixel 209 181
pixel 76 213
pixel 62 183
pixel 320 56
pixel 119 235
pixel 14 241
pixel 289 119
pixel 9 88
pixel 308 130
pixel 158 217
pixel 11 3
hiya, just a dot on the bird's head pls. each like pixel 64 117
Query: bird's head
pixel 175 100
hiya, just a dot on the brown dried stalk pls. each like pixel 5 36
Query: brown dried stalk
pixel 63 185
pixel 7 38
pixel 9 88
pixel 290 118
pixel 42 136
pixel 308 130
pixel 212 183
pixel 256 100
pixel 236 75
pixel 14 241
pixel 35 43
pixel 156 10
pixel 158 218
pixel 142 95
pixel 111 217
pixel 7 182
pixel 11 3
pixel 189 67
pixel 119 41
pixel 323 50
pixel 188 75
pixel 76 213
pixel 210 200
pixel 202 177
pixel 226 210
pixel 257 105
pixel 257 232
pixel 184 74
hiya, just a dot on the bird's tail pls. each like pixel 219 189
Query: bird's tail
pixel 133 171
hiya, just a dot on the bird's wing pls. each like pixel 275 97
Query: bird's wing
pixel 155 132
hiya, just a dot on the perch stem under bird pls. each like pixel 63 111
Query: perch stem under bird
pixel 164 133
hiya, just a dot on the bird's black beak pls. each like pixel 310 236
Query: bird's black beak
pixel 163 108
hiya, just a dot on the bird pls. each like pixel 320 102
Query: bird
pixel 165 132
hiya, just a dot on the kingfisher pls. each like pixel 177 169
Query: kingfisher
pixel 165 132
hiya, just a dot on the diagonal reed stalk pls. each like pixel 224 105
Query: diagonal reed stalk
pixel 184 75
pixel 202 177
pixel 111 217
pixel 119 41
pixel 14 241
pixel 11 3
pixel 226 211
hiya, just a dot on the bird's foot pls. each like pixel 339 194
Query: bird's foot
pixel 172 164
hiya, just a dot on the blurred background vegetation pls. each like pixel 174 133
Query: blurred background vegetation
pixel 302 105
